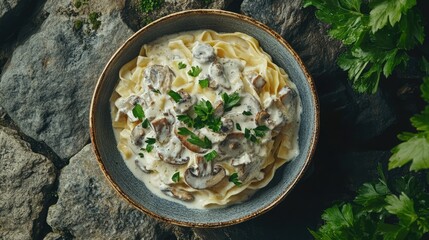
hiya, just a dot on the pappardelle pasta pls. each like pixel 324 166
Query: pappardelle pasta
pixel 205 118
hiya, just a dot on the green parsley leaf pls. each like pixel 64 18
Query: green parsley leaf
pixel 210 156
pixel 384 11
pixel 421 121
pixel 145 123
pixel 195 71
pixel 234 179
pixel 184 131
pixel 181 65
pixel 150 141
pixel 203 143
pixel 205 116
pixel 253 138
pixel 186 119
pixel 371 196
pixel 415 149
pixel 204 83
pixel 247 113
pixel 141 155
pixel 149 148
pixel 174 95
pixel 176 177
pixel 155 90
pixel 138 111
pixel 237 125
pixel 230 101
pixel 403 207
pixel 246 133
pixel 204 109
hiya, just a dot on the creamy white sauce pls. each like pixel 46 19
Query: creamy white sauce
pixel 170 154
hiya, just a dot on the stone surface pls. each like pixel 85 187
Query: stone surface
pixel 26 178
pixel 89 208
pixel 136 18
pixel 300 28
pixel 51 76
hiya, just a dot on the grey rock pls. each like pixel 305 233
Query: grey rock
pixel 53 236
pixel 89 208
pixel 25 180
pixel 136 18
pixel 47 85
pixel 300 28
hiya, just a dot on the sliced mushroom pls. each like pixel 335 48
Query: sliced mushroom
pixel 158 77
pixel 227 125
pixel 288 97
pixel 188 145
pixel 262 117
pixel 218 111
pixel 258 82
pixel 203 53
pixel 142 167
pixel 126 105
pixel 185 103
pixel 172 152
pixel 204 175
pixel 179 194
pixel 233 145
pixel 248 168
pixel 217 76
pixel 137 135
pixel 162 129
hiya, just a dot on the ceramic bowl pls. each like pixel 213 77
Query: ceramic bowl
pixel 133 190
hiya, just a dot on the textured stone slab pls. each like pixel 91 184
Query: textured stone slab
pixel 25 180
pixel 47 86
pixel 88 207
pixel 300 28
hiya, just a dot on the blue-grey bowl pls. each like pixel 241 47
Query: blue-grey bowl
pixel 133 190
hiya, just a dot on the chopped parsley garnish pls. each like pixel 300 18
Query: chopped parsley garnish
pixel 195 71
pixel 145 123
pixel 141 155
pixel 138 112
pixel 155 90
pixel 247 113
pixel 186 119
pixel 150 141
pixel 204 83
pixel 194 139
pixel 174 95
pixel 259 131
pixel 149 148
pixel 204 111
pixel 234 179
pixel 230 101
pixel 237 125
pixel 176 177
pixel 210 156
pixel 181 65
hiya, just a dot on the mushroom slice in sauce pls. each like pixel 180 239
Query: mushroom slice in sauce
pixel 204 175
pixel 185 103
pixel 248 167
pixel 218 110
pixel 158 77
pixel 188 145
pixel 179 194
pixel 233 145
pixel 162 129
pixel 172 152
pixel 126 105
pixel 262 117
pixel 227 125
pixel 203 53
pixel 288 97
pixel 258 82
pixel 142 167
pixel 137 135
pixel 217 76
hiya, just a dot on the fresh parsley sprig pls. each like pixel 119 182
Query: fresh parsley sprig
pixel 194 71
pixel 211 155
pixel 194 139
pixel 204 83
pixel 254 134
pixel 230 101
pixel 378 35
pixel 138 112
pixel 181 65
pixel 234 179
pixel 174 95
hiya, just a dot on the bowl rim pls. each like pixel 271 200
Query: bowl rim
pixel 312 146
